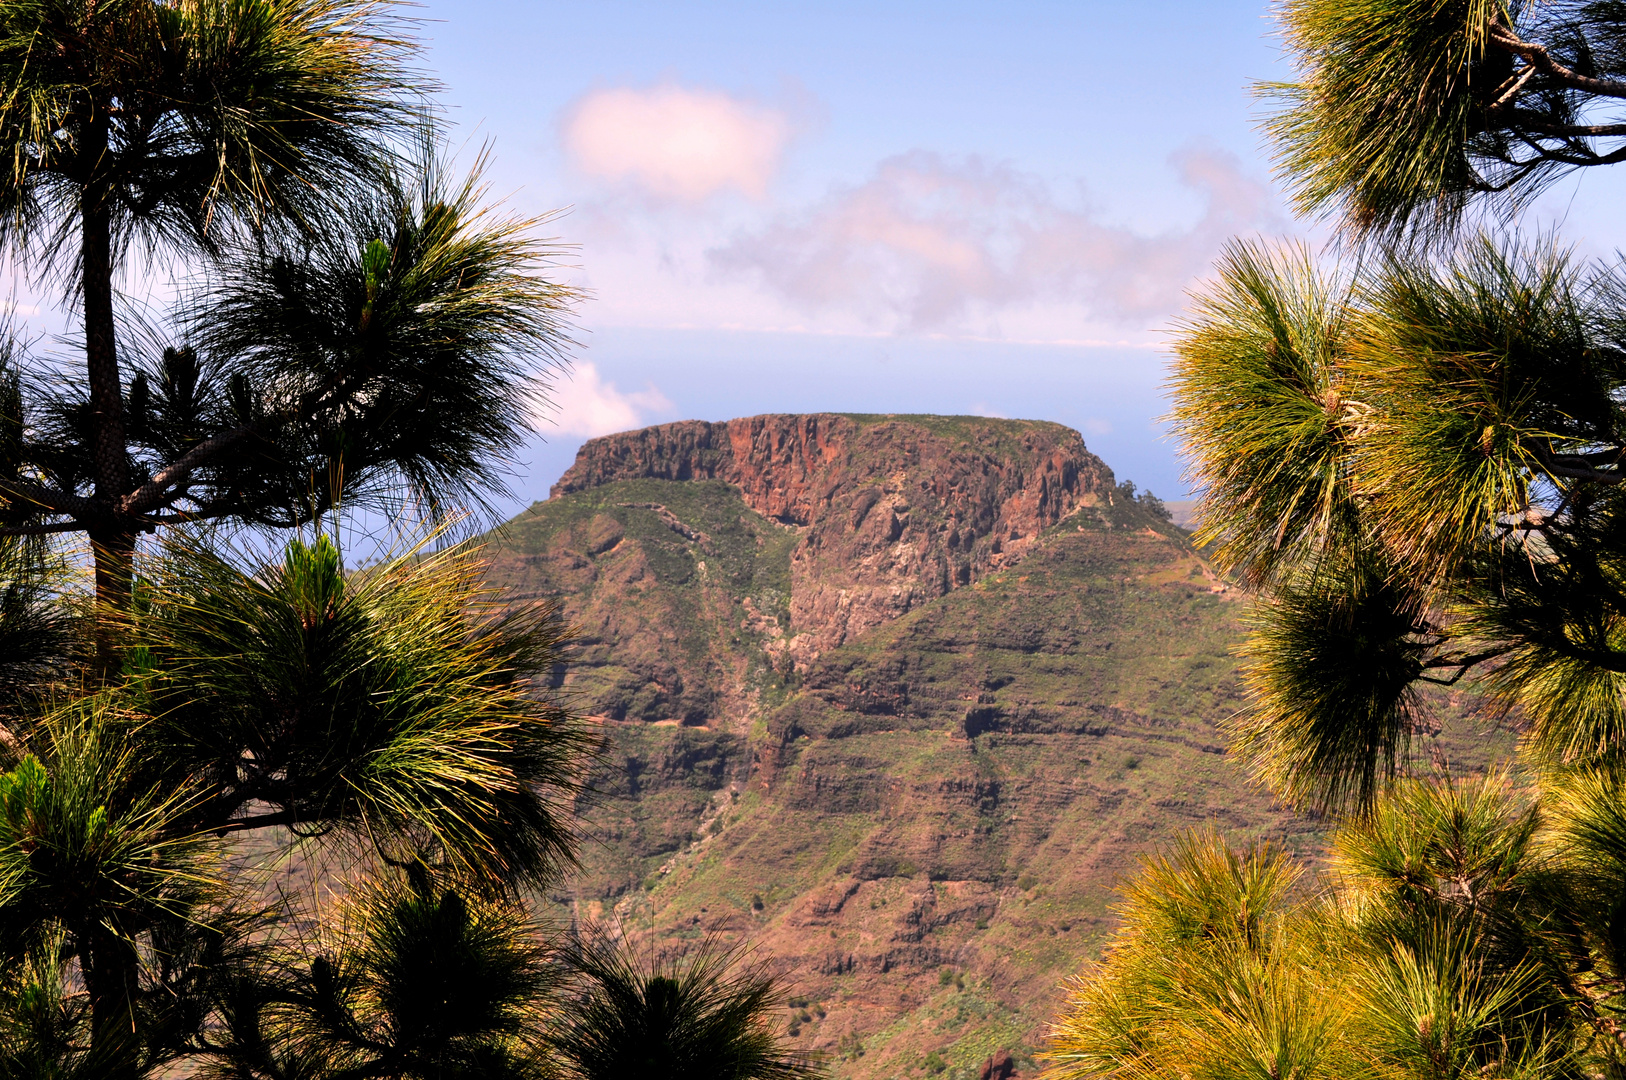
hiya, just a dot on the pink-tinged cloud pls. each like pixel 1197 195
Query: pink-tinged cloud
pixel 676 143
pixel 586 406
pixel 933 244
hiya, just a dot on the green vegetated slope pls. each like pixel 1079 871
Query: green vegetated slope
pixel 658 578
pixel 925 826
pixel 957 794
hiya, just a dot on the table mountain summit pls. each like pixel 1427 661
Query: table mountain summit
pixel 894 511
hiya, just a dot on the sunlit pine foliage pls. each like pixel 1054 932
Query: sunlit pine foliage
pixel 1443 944
pixel 1482 370
pixel 1216 972
pixel 399 356
pixel 1260 403
pixel 1415 462
pixel 1473 459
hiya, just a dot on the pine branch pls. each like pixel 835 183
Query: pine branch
pixel 1538 57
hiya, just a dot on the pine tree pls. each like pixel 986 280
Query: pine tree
pixel 385 717
pixel 1414 459
pixel 356 324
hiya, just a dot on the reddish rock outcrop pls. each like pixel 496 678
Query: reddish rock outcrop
pixel 896 510
pixel 998 1067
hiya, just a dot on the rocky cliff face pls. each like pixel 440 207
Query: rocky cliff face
pixel 896 698
pixel 894 511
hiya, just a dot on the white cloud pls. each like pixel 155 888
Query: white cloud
pixel 676 143
pixel 586 406
pixel 930 244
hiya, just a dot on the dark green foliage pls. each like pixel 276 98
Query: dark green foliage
pixel 86 844
pixel 39 635
pixel 101 884
pixel 414 980
pixel 230 115
pixel 388 712
pixel 1483 373
pixel 1588 811
pixel 397 355
pixel 358 330
pixel 1560 620
pixel 40 1025
pixel 1346 144
pixel 356 327
pixel 1333 664
pixel 395 352
pixel 391 707
pixel 702 1015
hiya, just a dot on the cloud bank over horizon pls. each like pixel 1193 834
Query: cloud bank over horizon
pixel 685 223
pixel 933 244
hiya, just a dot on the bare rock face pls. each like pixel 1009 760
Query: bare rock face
pixel 895 511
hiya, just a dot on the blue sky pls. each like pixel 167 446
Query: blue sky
pixel 883 206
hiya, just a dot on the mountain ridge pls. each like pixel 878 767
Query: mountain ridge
pixel 898 509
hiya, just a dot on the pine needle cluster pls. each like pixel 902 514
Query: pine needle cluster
pixel 1417 467
pixel 1448 940
pixel 1408 115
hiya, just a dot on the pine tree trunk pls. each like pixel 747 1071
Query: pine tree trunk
pixel 108 966
pixel 112 540
pixel 109 970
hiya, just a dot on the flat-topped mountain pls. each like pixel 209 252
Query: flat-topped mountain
pixel 847 523
pixel 898 698
pixel 892 511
